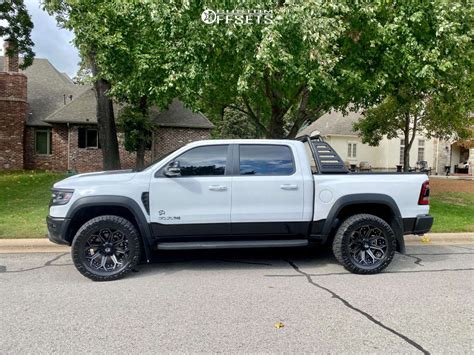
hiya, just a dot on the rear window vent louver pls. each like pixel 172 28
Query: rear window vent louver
pixel 328 160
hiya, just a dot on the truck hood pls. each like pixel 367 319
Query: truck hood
pixel 96 178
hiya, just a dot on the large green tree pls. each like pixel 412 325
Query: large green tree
pixel 425 83
pixel 83 18
pixel 15 27
pixel 280 75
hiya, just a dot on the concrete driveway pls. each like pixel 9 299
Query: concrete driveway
pixel 231 301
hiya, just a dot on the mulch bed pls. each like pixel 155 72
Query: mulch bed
pixel 445 185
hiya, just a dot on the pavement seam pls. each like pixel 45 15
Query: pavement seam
pixel 385 272
pixel 350 306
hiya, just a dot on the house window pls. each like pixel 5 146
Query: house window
pixel 43 141
pixel 87 138
pixel 402 149
pixel 352 150
pixel 421 150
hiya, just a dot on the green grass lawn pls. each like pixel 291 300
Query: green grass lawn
pixel 24 198
pixel 453 212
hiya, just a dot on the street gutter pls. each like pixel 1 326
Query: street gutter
pixel 43 245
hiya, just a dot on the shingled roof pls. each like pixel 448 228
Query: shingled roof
pixel 49 93
pixel 82 110
pixel 333 123
pixel 48 89
pixel 177 115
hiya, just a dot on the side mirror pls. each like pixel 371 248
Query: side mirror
pixel 173 169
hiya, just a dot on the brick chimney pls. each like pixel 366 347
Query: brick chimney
pixel 10 62
pixel 13 111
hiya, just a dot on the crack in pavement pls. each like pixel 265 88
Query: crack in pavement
pixel 417 260
pixel 3 269
pixel 350 306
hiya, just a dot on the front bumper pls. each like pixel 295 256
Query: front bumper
pixel 57 228
pixel 418 225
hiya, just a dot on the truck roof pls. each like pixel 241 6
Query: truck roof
pixel 245 141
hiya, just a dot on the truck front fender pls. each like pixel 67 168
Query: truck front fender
pixel 128 203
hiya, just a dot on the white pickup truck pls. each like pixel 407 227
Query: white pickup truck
pixel 238 194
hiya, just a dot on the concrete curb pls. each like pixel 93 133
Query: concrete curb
pixel 40 245
pixel 43 245
pixel 440 238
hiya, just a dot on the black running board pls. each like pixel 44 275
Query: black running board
pixel 233 244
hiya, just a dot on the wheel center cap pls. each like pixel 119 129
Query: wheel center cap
pixel 108 250
pixel 366 245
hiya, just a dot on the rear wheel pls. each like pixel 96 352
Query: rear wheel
pixel 364 244
pixel 106 248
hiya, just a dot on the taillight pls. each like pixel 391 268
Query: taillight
pixel 425 194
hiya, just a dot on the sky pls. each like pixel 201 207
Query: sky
pixel 52 42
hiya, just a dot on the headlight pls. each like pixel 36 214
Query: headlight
pixel 60 197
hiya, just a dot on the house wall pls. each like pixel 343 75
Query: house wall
pixel 90 159
pixel 13 111
pixel 57 161
pixel 385 156
pixel 168 139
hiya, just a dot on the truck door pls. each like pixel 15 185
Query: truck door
pixel 196 200
pixel 267 192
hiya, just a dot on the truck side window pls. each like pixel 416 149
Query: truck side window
pixel 203 161
pixel 266 160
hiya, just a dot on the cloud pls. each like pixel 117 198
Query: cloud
pixel 52 42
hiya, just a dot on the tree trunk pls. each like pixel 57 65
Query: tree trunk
pixel 140 157
pixel 301 115
pixel 406 148
pixel 408 140
pixel 276 129
pixel 107 130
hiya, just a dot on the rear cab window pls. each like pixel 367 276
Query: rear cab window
pixel 265 160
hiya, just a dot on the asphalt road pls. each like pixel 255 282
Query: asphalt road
pixel 230 301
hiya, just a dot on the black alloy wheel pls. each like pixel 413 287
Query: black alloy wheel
pixel 364 244
pixel 106 248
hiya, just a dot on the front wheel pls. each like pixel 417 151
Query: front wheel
pixel 106 248
pixel 364 244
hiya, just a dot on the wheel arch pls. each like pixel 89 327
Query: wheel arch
pixel 88 207
pixel 380 205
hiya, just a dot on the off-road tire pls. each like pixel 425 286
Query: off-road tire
pixel 99 223
pixel 341 249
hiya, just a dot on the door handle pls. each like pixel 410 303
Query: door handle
pixel 289 187
pixel 217 188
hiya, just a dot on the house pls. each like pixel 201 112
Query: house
pixel 337 130
pixel 48 122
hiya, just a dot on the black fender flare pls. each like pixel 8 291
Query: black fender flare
pixel 120 201
pixel 367 198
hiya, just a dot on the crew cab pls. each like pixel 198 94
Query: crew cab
pixel 238 194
